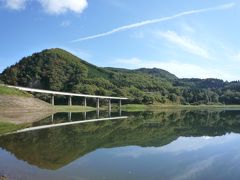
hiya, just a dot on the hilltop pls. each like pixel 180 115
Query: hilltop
pixel 57 69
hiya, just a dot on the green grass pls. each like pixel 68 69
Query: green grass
pixel 134 107
pixel 6 127
pixel 73 108
pixel 12 92
pixel 142 107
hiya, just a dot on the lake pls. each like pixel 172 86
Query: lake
pixel 179 144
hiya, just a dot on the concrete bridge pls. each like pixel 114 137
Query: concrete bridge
pixel 70 95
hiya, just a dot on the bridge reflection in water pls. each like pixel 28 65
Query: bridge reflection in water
pixel 85 115
pixel 45 124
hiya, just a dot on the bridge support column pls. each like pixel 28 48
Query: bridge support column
pixel 97 113
pixel 109 105
pixel 70 100
pixel 52 118
pixel 52 100
pixel 120 112
pixel 120 103
pixel 70 116
pixel 97 103
pixel 85 101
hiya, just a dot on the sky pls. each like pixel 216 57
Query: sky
pixel 191 39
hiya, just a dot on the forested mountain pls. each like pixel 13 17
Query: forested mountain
pixel 57 69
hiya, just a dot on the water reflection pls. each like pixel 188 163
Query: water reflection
pixel 165 141
pixel 77 116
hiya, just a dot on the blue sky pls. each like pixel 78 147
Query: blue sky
pixel 188 38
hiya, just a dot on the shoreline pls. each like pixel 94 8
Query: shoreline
pixel 159 107
pixel 13 119
pixel 125 107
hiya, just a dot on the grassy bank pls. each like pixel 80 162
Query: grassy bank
pixel 59 108
pixel 6 127
pixel 13 92
pixel 158 107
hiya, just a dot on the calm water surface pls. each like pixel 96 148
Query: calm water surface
pixel 147 145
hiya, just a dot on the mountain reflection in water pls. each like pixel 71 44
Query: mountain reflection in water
pixel 55 148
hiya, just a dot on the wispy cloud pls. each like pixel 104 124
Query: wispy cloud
pixel 65 23
pixel 117 3
pixel 196 168
pixel 236 57
pixel 185 43
pixel 229 53
pixel 81 53
pixel 131 61
pixel 15 4
pixel 187 28
pixel 153 21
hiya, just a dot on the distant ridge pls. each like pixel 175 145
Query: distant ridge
pixel 155 72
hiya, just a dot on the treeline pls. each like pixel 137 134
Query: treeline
pixel 56 69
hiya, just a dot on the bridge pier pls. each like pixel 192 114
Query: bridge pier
pixel 52 100
pixel 70 100
pixel 52 118
pixel 97 103
pixel 120 103
pixel 97 113
pixel 120 112
pixel 70 116
pixel 85 101
pixel 109 105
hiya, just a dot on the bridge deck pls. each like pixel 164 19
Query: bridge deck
pixel 65 93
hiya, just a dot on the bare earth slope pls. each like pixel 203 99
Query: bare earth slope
pixel 16 103
pixel 20 107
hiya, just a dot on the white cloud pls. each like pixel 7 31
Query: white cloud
pixel 154 21
pixel 15 4
pixel 185 43
pixel 51 6
pixel 180 69
pixel 62 6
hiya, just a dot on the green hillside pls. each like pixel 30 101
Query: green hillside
pixel 57 69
